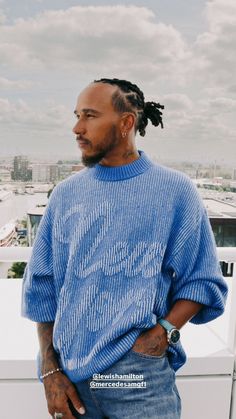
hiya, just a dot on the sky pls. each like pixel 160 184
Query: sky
pixel 180 53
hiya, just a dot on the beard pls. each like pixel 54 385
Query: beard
pixel 108 143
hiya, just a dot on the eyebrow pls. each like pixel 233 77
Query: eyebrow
pixel 87 110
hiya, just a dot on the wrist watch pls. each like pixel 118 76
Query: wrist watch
pixel 173 334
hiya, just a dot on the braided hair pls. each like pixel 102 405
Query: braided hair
pixel 129 98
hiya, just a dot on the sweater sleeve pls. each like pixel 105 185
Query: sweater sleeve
pixel 38 292
pixel 196 272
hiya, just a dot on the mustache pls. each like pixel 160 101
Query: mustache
pixel 81 138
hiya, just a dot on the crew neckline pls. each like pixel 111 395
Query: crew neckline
pixel 125 171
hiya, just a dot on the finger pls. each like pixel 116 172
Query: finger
pixel 65 410
pixel 60 405
pixel 75 400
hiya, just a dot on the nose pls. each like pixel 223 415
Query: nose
pixel 79 128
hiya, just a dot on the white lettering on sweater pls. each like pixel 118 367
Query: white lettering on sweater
pixel 88 253
pixel 145 258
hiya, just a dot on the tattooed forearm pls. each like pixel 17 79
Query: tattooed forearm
pixel 59 390
pixel 48 354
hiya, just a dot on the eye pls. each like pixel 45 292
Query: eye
pixel 90 115
pixel 76 115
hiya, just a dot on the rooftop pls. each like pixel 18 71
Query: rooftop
pixel 218 209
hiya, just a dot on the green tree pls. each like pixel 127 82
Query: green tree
pixel 17 270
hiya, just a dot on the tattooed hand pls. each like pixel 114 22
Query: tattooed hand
pixel 60 394
pixel 152 341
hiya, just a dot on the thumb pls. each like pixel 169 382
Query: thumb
pixel 76 402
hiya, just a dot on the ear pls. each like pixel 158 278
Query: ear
pixel 127 121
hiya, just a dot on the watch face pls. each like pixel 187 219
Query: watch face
pixel 174 336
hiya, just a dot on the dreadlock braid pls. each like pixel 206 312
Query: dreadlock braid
pixel 129 98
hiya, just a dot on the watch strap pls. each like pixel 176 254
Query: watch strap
pixel 167 325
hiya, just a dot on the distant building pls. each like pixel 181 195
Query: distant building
pixel 5 174
pixel 76 168
pixel 221 214
pixel 45 172
pixel 7 234
pixel 33 219
pixel 223 221
pixel 65 170
pixel 21 170
pixel 233 186
pixel 68 167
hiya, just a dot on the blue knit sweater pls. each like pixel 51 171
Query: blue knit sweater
pixel 116 247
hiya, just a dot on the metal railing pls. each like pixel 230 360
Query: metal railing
pixel 22 254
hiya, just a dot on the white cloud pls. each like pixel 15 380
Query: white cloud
pixel 220 12
pixel 2 17
pixel 61 50
pixel 19 113
pixel 15 84
pixel 223 104
pixel 88 38
pixel 38 131
pixel 215 58
pixel 177 101
pixel 201 129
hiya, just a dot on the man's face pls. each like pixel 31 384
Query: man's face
pixel 97 129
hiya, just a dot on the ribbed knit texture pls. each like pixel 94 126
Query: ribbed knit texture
pixel 116 248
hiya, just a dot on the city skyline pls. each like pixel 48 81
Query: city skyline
pixel 47 160
pixel 180 54
pixel 23 168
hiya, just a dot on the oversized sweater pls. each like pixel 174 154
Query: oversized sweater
pixel 116 247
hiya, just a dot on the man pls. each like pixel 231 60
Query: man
pixel 123 258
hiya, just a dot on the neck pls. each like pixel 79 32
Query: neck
pixel 120 157
pixel 121 172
